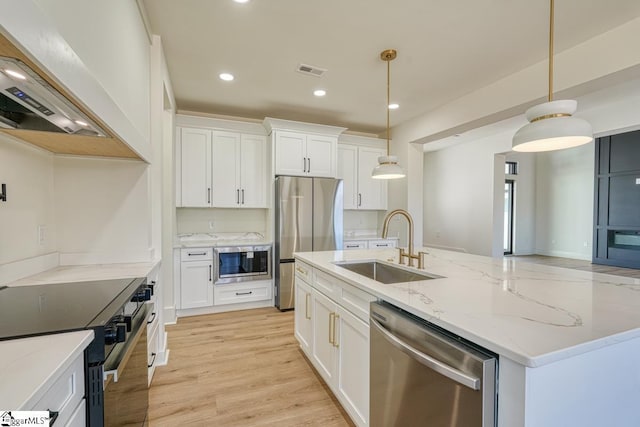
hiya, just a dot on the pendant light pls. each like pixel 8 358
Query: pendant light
pixel 551 125
pixel 388 167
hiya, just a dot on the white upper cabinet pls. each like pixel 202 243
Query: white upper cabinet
pixel 219 168
pixel 239 170
pixel 226 169
pixel 305 155
pixel 304 149
pixel 195 154
pixel 355 164
pixel 253 171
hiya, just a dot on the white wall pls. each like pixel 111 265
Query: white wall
pixel 459 195
pixel 564 202
pixel 198 220
pixel 102 210
pixel 28 173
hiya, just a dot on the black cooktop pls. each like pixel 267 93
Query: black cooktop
pixel 61 307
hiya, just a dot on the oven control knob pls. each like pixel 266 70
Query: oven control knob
pixel 142 295
pixel 115 333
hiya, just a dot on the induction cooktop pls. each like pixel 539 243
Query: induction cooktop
pixel 60 307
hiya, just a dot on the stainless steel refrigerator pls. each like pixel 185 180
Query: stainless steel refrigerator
pixel 308 218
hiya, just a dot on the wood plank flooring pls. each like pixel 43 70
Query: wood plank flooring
pixel 578 264
pixel 241 368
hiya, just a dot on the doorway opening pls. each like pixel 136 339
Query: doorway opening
pixel 509 193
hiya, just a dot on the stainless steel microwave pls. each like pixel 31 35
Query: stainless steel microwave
pixel 241 263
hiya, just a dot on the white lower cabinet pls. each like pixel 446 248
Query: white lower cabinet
pixel 336 339
pixel 196 284
pixel 323 348
pixel 352 377
pixel 303 324
pixel 242 292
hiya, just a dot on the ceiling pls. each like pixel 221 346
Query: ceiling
pixel 445 50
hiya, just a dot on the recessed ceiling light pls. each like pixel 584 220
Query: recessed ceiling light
pixel 241 1
pixel 16 74
pixel 319 92
pixel 226 77
pixel 81 123
pixel 394 106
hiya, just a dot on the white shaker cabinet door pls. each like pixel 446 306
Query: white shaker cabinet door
pixel 196 167
pixel 196 284
pixel 352 376
pixel 253 168
pixel 226 169
pixel 291 158
pixel 372 192
pixel 348 173
pixel 303 319
pixel 321 156
pixel 324 353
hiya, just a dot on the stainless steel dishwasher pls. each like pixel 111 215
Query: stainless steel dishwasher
pixel 422 376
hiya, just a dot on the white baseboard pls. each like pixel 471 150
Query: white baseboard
pixel 223 308
pixel 163 353
pixel 17 270
pixel 169 315
pixel 89 258
pixel 564 254
pixel 446 248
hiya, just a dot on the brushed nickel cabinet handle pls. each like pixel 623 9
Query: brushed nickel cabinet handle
pixel 210 272
pixel 209 195
pixel 306 307
pixel 243 196
pixel 335 320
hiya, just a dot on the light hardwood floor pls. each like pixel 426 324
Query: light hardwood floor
pixel 578 264
pixel 241 368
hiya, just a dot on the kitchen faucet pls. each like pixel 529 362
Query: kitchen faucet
pixel 409 254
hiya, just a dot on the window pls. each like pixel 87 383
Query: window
pixel 511 168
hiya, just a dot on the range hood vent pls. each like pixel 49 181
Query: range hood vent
pixel 311 70
pixel 28 102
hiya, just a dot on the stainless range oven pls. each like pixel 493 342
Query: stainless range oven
pixel 241 263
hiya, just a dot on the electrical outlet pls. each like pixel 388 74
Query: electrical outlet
pixel 42 234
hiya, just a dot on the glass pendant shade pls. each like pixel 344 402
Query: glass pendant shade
pixel 552 127
pixel 387 168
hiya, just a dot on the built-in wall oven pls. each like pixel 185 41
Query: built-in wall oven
pixel 234 264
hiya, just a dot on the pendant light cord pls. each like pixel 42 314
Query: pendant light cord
pixel 551 51
pixel 388 101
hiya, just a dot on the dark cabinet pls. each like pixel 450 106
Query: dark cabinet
pixel 617 200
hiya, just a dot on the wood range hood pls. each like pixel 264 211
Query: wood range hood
pixel 60 142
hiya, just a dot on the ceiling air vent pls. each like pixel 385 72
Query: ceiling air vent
pixel 311 70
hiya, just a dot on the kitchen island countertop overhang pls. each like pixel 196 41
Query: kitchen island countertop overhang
pixel 532 314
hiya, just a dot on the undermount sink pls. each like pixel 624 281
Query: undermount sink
pixel 385 273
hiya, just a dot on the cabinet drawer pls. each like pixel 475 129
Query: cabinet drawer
pixel 79 416
pixel 152 349
pixel 66 392
pixel 354 244
pixel 196 254
pixel 356 300
pixel 303 271
pixel 245 292
pixel 382 243
pixel 325 283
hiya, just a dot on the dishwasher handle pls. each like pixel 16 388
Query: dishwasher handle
pixel 428 361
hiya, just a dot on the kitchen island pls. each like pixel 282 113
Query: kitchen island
pixel 568 341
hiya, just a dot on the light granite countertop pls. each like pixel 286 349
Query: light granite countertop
pixel 532 314
pixel 82 273
pixel 30 365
